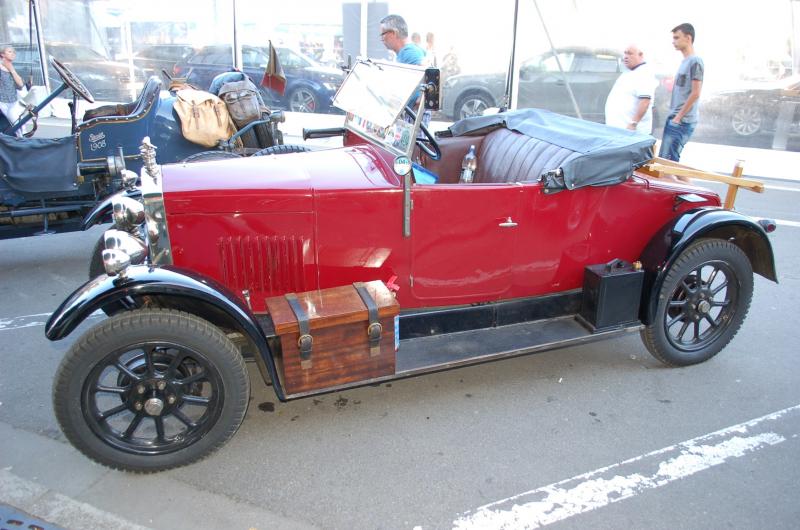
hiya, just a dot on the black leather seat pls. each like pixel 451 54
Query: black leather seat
pixel 508 156
pixel 123 113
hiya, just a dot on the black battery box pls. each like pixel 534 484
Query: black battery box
pixel 611 295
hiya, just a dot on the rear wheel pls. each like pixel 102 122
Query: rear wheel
pixel 701 304
pixel 151 389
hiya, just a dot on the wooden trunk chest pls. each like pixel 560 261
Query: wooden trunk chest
pixel 334 341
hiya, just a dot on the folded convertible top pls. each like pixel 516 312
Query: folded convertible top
pixel 604 155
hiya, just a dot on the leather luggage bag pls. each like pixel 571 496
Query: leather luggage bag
pixel 204 117
pixel 241 97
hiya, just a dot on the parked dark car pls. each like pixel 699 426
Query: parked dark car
pixel 309 85
pixel 107 80
pixel 591 75
pixel 157 57
pixel 753 109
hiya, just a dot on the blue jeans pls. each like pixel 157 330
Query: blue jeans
pixel 674 138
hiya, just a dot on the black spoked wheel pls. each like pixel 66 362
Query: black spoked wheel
pixel 150 390
pixel 702 303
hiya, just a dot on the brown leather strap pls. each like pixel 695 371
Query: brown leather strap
pixel 305 341
pixel 374 329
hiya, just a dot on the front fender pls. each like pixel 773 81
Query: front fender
pixel 101 213
pixel 172 283
pixel 706 222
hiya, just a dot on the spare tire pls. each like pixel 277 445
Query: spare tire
pixel 282 150
pixel 205 156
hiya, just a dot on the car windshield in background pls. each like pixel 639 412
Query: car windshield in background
pixel 75 53
pixel 373 96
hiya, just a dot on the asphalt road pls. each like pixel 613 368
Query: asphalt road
pixel 599 436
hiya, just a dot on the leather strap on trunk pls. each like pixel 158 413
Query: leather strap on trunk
pixel 305 341
pixel 375 328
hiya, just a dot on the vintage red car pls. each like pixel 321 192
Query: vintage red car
pixel 560 238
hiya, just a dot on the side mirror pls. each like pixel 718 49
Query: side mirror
pixel 433 92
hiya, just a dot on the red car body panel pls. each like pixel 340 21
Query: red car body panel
pixel 276 225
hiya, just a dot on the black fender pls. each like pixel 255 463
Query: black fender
pixel 705 222
pixel 165 286
pixel 101 213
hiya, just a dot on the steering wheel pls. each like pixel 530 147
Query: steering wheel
pixel 72 80
pixel 428 145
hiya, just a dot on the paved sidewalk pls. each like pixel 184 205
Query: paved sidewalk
pixel 65 489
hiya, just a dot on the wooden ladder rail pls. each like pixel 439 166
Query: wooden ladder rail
pixel 659 167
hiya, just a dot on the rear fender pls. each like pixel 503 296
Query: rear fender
pixel 708 222
pixel 165 287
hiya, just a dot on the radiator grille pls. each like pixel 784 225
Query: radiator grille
pixel 269 265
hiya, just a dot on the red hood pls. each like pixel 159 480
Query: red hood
pixel 283 183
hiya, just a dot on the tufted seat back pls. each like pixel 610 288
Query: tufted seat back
pixel 508 156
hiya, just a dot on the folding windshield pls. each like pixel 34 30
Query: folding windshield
pixel 373 96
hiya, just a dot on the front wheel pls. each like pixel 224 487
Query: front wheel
pixel 150 390
pixel 303 99
pixel 746 121
pixel 701 304
pixel 471 105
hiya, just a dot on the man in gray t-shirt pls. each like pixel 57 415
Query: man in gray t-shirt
pixel 683 108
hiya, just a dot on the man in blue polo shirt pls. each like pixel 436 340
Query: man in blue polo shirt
pixel 394 34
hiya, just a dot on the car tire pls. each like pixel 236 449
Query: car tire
pixel 150 390
pixel 205 156
pixel 303 99
pixel 746 121
pixel 707 289
pixel 471 104
pixel 282 150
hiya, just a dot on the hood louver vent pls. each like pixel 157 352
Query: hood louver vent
pixel 261 264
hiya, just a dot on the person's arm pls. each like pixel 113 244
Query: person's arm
pixel 10 67
pixel 697 86
pixel 641 108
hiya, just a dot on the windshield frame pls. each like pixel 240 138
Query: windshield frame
pixel 374 95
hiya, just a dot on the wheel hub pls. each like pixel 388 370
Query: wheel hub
pixel 154 396
pixel 153 406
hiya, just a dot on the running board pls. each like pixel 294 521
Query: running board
pixel 435 353
pixel 450 350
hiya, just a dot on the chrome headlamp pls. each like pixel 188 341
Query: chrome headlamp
pixel 122 249
pixel 115 262
pixel 127 213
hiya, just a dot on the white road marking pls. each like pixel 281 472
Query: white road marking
pixel 780 188
pixel 29 321
pixel 610 484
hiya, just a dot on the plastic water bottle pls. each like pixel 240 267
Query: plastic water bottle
pixel 469 165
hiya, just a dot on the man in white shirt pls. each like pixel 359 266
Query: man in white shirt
pixel 629 104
